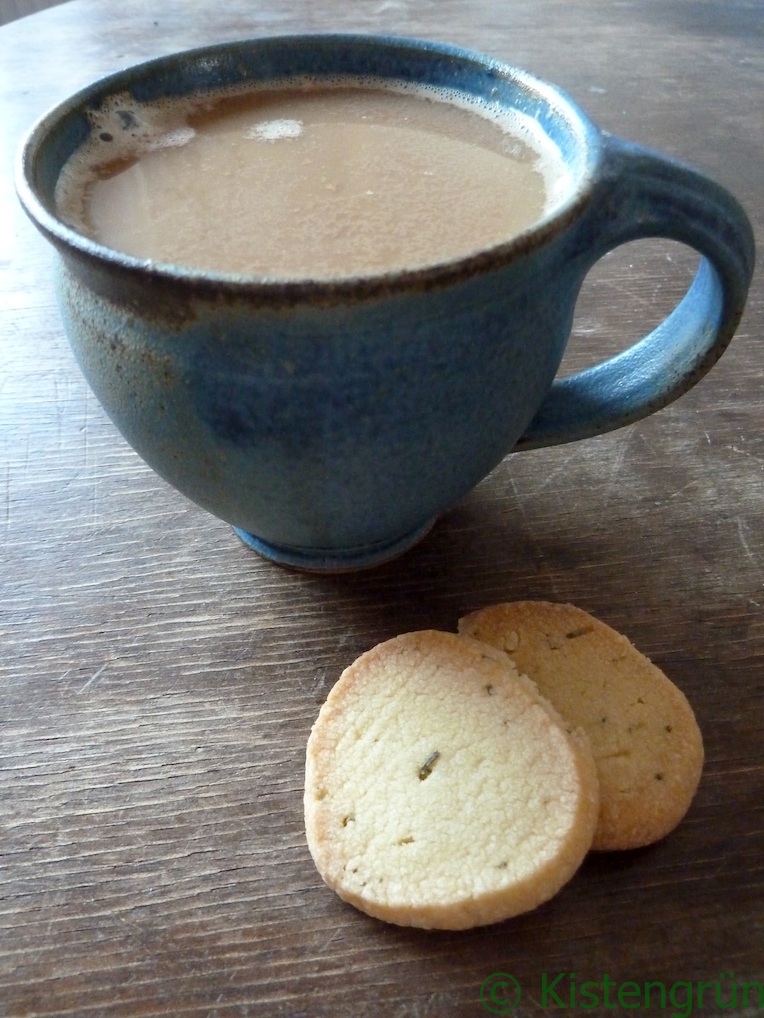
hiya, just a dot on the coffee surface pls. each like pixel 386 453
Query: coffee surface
pixel 311 182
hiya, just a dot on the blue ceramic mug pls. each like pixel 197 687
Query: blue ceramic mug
pixel 331 422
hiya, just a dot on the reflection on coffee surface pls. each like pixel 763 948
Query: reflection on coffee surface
pixel 310 181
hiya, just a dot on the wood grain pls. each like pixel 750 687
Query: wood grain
pixel 158 681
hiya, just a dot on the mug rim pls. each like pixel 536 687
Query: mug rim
pixel 70 241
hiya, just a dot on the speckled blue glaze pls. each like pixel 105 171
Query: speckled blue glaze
pixel 331 423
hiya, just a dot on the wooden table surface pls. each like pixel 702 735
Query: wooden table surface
pixel 158 681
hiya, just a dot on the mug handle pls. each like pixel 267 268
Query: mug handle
pixel 645 194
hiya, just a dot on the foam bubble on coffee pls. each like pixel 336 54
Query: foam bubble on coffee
pixel 275 130
pixel 172 139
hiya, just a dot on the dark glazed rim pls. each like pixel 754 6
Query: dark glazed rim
pixel 454 62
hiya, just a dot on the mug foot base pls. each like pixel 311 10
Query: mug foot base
pixel 319 561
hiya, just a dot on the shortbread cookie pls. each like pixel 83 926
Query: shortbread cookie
pixel 441 790
pixel 642 730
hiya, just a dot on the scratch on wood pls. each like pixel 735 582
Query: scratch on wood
pixel 685 487
pixel 744 543
pixel 391 5
pixel 548 480
pixel 620 454
pixel 93 678
pixel 745 452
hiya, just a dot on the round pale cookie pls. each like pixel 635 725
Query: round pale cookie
pixel 441 790
pixel 642 730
